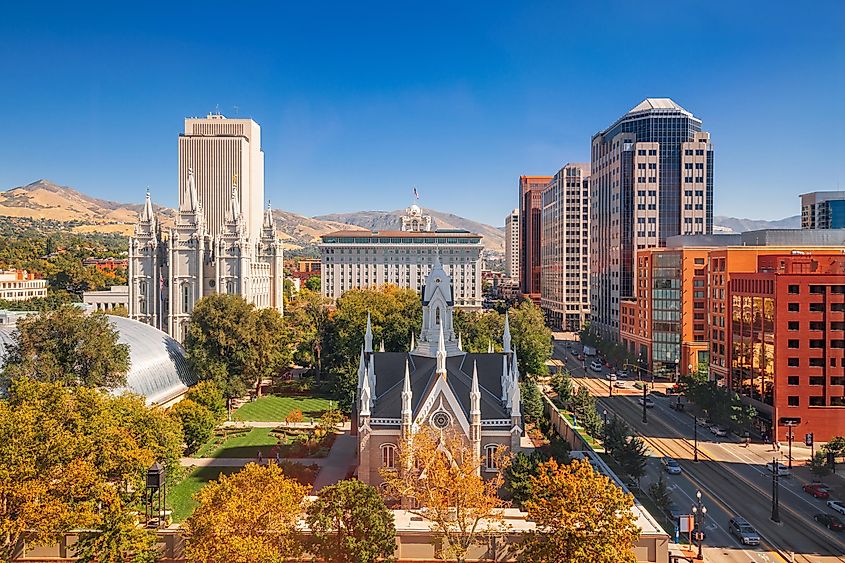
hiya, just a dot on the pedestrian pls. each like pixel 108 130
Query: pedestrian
pixel 278 458
pixel 747 439
pixel 259 457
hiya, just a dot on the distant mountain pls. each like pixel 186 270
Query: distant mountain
pixel 734 225
pixel 493 238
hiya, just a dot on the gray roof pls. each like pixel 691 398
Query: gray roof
pixel 390 375
pixel 650 104
pixel 158 368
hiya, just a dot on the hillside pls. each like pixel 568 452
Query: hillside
pixel 735 225
pixel 494 238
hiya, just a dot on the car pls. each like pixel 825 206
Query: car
pixel 739 527
pixel 782 470
pixel 647 401
pixel 670 466
pixel 596 366
pixel 610 377
pixel 701 421
pixel 829 521
pixel 621 384
pixel 677 405
pixel 836 505
pixel 622 374
pixel 817 490
pixel 720 431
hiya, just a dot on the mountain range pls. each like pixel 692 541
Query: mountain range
pixel 44 199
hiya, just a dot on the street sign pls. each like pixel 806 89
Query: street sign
pixel 699 536
pixel 686 522
pixel 808 439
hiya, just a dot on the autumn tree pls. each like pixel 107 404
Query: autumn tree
pixel 248 517
pixel 440 473
pixel 115 536
pixel 350 523
pixel 68 346
pixel 59 448
pixel 197 422
pixel 207 394
pixel 581 517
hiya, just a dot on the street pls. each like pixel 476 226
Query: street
pixel 733 480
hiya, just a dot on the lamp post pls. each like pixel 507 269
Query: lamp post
pixel 775 492
pixel 699 511
pixel 790 435
pixel 640 367
pixel 645 394
pixel 695 437
pixel 604 414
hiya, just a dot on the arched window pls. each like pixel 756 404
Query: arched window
pixel 142 305
pixel 490 457
pixel 388 456
pixel 437 316
pixel 186 298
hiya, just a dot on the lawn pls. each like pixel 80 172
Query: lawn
pixel 273 408
pixel 240 444
pixel 179 496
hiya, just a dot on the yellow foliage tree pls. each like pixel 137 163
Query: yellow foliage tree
pixel 440 474
pixel 248 517
pixel 581 516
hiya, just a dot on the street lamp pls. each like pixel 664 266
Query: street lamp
pixel 775 491
pixel 645 394
pixel 695 437
pixel 604 428
pixel 699 508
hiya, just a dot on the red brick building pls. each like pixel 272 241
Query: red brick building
pixel 785 345
pixel 530 230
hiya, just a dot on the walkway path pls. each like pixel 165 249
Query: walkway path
pixel 341 458
pixel 241 461
pixel 276 424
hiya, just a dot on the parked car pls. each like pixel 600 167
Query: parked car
pixel 740 528
pixel 610 376
pixel 720 431
pixel 830 521
pixel 836 505
pixel 817 490
pixel 647 401
pixel 596 366
pixel 783 471
pixel 621 384
pixel 670 466
pixel 622 374
pixel 589 350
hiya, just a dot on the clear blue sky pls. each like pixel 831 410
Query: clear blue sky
pixel 358 101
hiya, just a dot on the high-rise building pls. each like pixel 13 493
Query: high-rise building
pixel 530 218
pixel 823 210
pixel 20 285
pixel 369 259
pixel 217 245
pixel 652 178
pixel 512 245
pixel 565 248
pixel 223 152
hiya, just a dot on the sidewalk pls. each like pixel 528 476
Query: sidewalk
pixel 337 464
pixel 241 461
pixel 343 426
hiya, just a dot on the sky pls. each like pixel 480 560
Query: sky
pixel 360 101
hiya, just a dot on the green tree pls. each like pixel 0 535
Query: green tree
pixel 531 338
pixel 271 348
pixel 532 401
pixel 819 466
pixel 836 445
pixel 581 517
pixel 207 394
pixel 659 493
pixel 616 433
pixel 308 319
pixel 69 346
pixel 219 343
pixel 196 420
pixel 116 536
pixel 479 329
pixel 562 384
pixel 350 523
pixel 632 457
pixel 313 283
pixel 518 475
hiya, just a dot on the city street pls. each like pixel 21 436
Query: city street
pixel 733 480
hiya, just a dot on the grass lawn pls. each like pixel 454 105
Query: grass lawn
pixel 243 444
pixel 273 408
pixel 179 496
pixel 595 444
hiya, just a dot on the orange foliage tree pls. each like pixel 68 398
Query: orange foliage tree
pixel 581 517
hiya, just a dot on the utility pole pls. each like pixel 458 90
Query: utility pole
pixel 695 437
pixel 775 492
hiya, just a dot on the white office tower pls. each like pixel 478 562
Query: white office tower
pixel 221 242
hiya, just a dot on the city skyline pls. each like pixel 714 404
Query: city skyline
pixel 394 98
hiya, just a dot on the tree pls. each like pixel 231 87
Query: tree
pixel 562 384
pixel 616 433
pixel 207 394
pixel 59 448
pixel 116 536
pixel 349 523
pixel 479 329
pixel 270 347
pixel 119 311
pixel 521 469
pixel 440 472
pixel 532 401
pixel 219 342
pixel 250 516
pixel 632 457
pixel 836 446
pixel 69 346
pixel 197 422
pixel 313 283
pixel 581 517
pixel 819 466
pixel 659 493
pixel 308 319
pixel 531 338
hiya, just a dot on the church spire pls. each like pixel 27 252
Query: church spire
pixel 406 393
pixel 505 378
pixel 506 337
pixel 147 214
pixel 368 335
pixel 475 393
pixel 381 346
pixel 268 217
pixel 366 398
pixel 515 399
pixel 441 353
pixel 234 211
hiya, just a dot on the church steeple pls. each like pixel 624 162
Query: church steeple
pixel 147 215
pixel 506 337
pixel 268 217
pixel 368 336
pixel 441 353
pixel 406 393
pixel 475 393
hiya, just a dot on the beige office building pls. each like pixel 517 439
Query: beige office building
pixel 368 259
pixel 223 152
pixel 512 245
pixel 20 285
pixel 565 248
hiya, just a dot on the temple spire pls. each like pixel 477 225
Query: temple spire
pixel 381 346
pixel 147 214
pixel 406 392
pixel 366 398
pixel 193 200
pixel 506 337
pixel 268 217
pixel 441 353
pixel 368 335
pixel 475 393
pixel 413 342
pixel 234 211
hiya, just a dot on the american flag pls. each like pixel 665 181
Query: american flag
pixel 161 286
pixel 416 195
